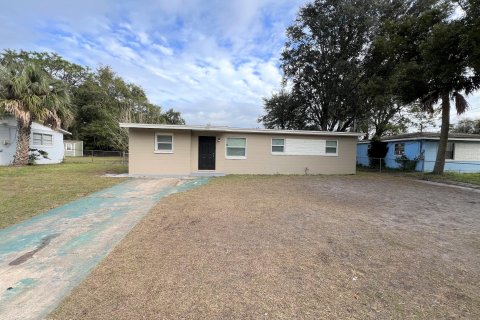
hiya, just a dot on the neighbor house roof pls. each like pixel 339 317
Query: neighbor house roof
pixel 428 136
pixel 64 131
pixel 236 130
pixel 10 121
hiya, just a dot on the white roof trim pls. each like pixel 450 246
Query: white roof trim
pixel 421 138
pixel 429 138
pixel 239 130
pixel 11 122
pixel 64 132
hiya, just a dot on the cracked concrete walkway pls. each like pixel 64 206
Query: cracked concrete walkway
pixel 43 258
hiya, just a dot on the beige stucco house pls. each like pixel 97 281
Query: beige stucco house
pixel 158 149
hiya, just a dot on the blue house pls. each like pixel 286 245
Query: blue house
pixel 462 155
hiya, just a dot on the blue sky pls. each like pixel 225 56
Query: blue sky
pixel 212 60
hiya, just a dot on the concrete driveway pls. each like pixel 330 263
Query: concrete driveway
pixel 43 258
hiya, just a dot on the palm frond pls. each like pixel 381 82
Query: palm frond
pixel 28 93
pixel 461 104
pixel 429 102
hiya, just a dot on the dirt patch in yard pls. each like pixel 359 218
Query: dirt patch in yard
pixel 283 247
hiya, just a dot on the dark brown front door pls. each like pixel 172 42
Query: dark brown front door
pixel 206 153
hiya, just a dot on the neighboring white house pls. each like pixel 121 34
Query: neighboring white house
pixel 42 138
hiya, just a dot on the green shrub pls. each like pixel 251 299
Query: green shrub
pixel 406 164
pixel 36 154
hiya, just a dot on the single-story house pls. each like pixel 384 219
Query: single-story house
pixel 159 149
pixel 73 148
pixel 42 138
pixel 462 155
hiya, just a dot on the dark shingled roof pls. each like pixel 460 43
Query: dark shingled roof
pixel 430 135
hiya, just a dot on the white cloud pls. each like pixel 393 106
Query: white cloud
pixel 165 50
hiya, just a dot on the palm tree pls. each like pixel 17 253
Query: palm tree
pixel 29 94
pixel 461 106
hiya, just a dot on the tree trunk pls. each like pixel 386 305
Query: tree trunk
pixel 23 143
pixel 442 143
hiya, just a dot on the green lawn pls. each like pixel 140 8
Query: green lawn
pixel 28 191
pixel 472 178
pixel 103 160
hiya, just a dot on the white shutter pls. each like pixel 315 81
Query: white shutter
pixel 306 147
pixel 467 151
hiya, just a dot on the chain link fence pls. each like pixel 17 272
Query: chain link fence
pixel 412 165
pixel 100 156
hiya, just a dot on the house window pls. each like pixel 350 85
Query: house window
pixel 164 143
pixel 236 148
pixel 450 151
pixel 331 147
pixel 69 147
pixel 42 139
pixel 278 145
pixel 399 149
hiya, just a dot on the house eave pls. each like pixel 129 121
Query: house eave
pixel 420 138
pixel 65 132
pixel 430 138
pixel 238 130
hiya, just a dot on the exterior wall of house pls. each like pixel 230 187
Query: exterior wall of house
pixel 259 158
pixel 466 156
pixel 362 154
pixel 56 151
pixel 142 159
pixel 412 149
pixel 8 143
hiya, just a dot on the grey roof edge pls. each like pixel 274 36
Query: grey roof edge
pixel 239 130
pixel 427 136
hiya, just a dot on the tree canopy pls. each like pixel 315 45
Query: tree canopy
pixel 432 62
pixel 322 61
pixel 99 99
pixel 338 80
pixel 377 65
pixel 471 126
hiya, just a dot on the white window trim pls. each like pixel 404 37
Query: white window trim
pixel 43 145
pixel 394 151
pixel 277 153
pixel 331 154
pixel 236 157
pixel 69 146
pixel 156 143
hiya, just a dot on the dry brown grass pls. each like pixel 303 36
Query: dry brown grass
pixel 283 247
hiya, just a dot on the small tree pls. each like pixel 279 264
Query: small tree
pixel 29 94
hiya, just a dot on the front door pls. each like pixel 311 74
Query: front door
pixel 206 153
